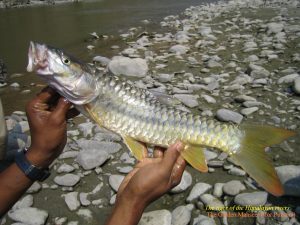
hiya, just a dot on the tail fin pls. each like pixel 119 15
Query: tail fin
pixel 253 159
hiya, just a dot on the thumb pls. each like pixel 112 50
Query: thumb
pixel 61 109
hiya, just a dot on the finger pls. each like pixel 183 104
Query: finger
pixel 177 171
pixel 147 161
pixel 72 113
pixel 171 155
pixel 145 150
pixel 158 152
pixel 60 111
pixel 46 94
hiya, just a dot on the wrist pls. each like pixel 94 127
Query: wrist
pixel 38 158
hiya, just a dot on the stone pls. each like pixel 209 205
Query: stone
pixel 229 116
pixel 236 171
pixel 185 183
pixel 256 71
pixel 34 188
pixel 252 58
pixel 213 64
pixel 257 198
pixel 205 30
pixel 181 215
pixel 108 137
pixel 244 98
pixel 25 202
pixel 15 85
pixel 203 220
pixel 248 111
pixel 161 217
pixel 188 100
pixel 115 181
pixel 92 158
pixel 209 155
pixel 179 49
pixel 296 85
pixel 289 176
pixel 233 187
pixel 85 213
pixel 136 67
pixel 101 146
pixel 65 168
pixel 103 61
pixel 288 79
pixel 212 202
pixel 71 200
pixel 164 77
pixel 68 180
pixel 68 154
pixel 209 99
pixel 29 215
pixel 83 197
pixel 198 190
pixel 86 128
pixel 218 189
pixel 274 28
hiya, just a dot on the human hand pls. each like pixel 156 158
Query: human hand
pixel 153 177
pixel 47 114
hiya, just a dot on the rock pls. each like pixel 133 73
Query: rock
pixel 209 155
pixel 213 64
pixel 125 169
pixel 71 200
pixel 136 67
pixel 92 158
pixel 289 176
pixel 296 86
pixel 181 215
pixel 65 168
pixel 184 184
pixel 179 49
pixel 83 197
pixel 68 180
pixel 68 154
pixel 252 58
pixel 115 181
pixel 25 202
pixel 86 128
pixel 161 217
pixel 257 198
pixel 233 187
pixel 103 61
pixel 236 171
pixel 274 28
pixel 250 104
pixel 197 190
pixel 211 202
pixel 248 111
pixel 256 71
pixel 34 188
pixel 203 220
pixel 209 99
pixel 188 100
pixel 165 77
pixel 29 215
pixel 15 85
pixel 229 116
pixel 244 98
pixel 101 146
pixel 218 189
pixel 288 79
pixel 85 213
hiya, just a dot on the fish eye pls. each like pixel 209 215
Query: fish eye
pixel 66 60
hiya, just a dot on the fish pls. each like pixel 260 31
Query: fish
pixel 140 117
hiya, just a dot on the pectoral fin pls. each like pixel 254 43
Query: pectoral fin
pixel 137 149
pixel 194 155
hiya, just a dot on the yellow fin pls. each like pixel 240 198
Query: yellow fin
pixel 137 148
pixel 253 159
pixel 194 155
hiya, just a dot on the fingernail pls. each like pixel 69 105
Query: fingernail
pixel 179 146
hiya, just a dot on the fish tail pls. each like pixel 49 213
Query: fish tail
pixel 253 159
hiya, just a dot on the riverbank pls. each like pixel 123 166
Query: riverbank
pixel 5 4
pixel 237 62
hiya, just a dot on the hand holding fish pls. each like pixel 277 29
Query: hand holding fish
pixel 47 114
pixel 150 179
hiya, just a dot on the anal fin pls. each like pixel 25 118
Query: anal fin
pixel 136 147
pixel 194 155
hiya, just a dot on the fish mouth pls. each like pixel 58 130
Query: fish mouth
pixel 38 59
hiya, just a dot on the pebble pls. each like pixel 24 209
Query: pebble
pixel 229 116
pixel 256 71
pixel 164 77
pixel 209 99
pixel 257 198
pixel 244 98
pixel 15 85
pixel 237 172
pixel 185 183
pixel 83 197
pixel 92 158
pixel 71 200
pixel 218 189
pixel 181 215
pixel 29 215
pixel 85 213
pixel 288 79
pixel 188 100
pixel 68 154
pixel 179 49
pixel 34 188
pixel 25 202
pixel 296 86
pixel 103 61
pixel 136 67
pixel 108 147
pixel 249 111
pixel 289 176
pixel 65 168
pixel 197 190
pixel 233 187
pixel 115 181
pixel 161 217
pixel 203 220
pixel 211 201
pixel 68 180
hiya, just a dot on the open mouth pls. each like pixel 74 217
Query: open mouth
pixel 37 58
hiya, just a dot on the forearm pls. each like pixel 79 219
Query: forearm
pixel 126 212
pixel 12 186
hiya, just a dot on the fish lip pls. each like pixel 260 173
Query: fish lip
pixel 37 58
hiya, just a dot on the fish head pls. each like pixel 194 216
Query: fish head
pixel 71 78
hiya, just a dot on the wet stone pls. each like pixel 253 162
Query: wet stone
pixel 71 200
pixel 253 199
pixel 197 190
pixel 233 187
pixel 289 176
pixel 162 217
pixel 115 181
pixel 229 116
pixel 68 180
pixel 185 183
pixel 29 215
pixel 182 215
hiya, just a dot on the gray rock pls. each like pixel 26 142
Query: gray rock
pixel 209 155
pixel 254 199
pixel 83 197
pixel 252 58
pixel 256 71
pixel 65 168
pixel 92 158
pixel 103 61
pixel 34 188
pixel 68 154
pixel 120 65
pixel 115 181
pixel 29 215
pixel 197 190
pixel 213 64
pixel 296 86
pixel 204 30
pixel 68 180
pixel 288 79
pixel 218 189
pixel 185 183
pixel 236 171
pixel 233 187
pixel 248 111
pixel 243 98
pixel 289 176
pixel 161 217
pixel 229 116
pixel 87 128
pixel 212 202
pixel 92 145
pixel 164 77
pixel 179 49
pixel 85 213
pixel 188 100
pixel 209 99
pixel 181 215
pixel 250 104
pixel 25 202
pixel 274 28
pixel 203 220
pixel 71 200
